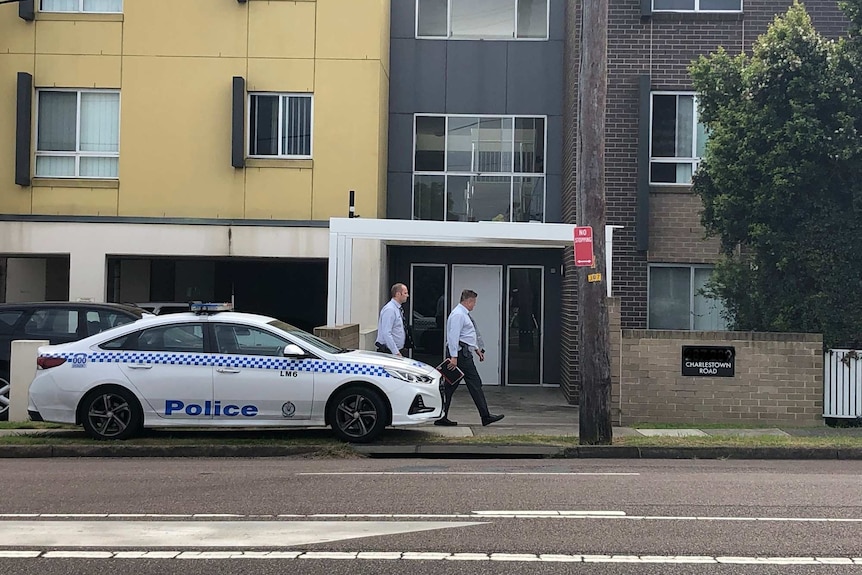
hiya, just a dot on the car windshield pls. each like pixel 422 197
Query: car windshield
pixel 321 344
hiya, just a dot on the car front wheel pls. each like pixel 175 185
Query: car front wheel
pixel 4 399
pixel 358 414
pixel 111 413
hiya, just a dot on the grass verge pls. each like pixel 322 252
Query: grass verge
pixel 33 425
pixel 321 442
pixel 691 441
pixel 740 425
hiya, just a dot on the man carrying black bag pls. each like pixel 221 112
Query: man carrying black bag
pixel 462 339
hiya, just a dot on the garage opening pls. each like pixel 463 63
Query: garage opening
pixel 34 278
pixel 291 290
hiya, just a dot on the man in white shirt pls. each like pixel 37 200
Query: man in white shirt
pixel 462 339
pixel 392 325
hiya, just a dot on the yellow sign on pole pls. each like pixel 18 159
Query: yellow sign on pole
pixel 594 277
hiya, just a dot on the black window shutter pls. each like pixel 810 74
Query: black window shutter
pixel 642 218
pixel 238 123
pixel 23 129
pixel 27 10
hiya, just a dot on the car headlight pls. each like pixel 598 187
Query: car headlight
pixel 409 376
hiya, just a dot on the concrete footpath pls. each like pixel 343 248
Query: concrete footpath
pixel 528 411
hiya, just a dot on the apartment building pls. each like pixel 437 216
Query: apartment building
pixel 654 143
pixel 163 150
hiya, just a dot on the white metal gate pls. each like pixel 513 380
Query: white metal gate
pixel 842 389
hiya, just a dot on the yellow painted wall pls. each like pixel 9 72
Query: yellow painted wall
pixel 173 62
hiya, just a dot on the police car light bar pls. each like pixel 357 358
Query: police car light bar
pixel 201 307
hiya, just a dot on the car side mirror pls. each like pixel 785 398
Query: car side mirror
pixel 293 350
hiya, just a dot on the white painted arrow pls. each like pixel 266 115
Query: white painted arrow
pixel 221 534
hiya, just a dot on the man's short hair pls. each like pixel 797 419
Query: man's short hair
pixel 396 289
pixel 468 294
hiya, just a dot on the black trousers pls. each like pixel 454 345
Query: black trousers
pixel 471 380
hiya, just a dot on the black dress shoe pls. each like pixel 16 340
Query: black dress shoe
pixel 446 422
pixel 492 418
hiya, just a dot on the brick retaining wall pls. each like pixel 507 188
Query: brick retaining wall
pixel 778 379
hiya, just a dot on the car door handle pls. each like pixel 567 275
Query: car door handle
pixel 227 370
pixel 141 366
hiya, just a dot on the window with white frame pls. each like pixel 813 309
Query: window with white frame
pixel 677 138
pixel 78 134
pixel 482 19
pixel 96 6
pixel 676 301
pixel 479 168
pixel 697 5
pixel 280 125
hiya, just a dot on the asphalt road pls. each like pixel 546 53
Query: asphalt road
pixel 429 516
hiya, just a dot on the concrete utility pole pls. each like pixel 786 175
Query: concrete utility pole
pixel 593 332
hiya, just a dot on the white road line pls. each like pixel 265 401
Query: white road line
pixel 431 556
pixel 78 555
pixel 552 513
pixel 146 554
pixel 475 515
pixel 450 473
pixel 19 554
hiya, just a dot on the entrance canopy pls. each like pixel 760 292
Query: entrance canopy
pixel 343 232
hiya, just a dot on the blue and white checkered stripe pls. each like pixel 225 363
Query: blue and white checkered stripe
pixel 239 361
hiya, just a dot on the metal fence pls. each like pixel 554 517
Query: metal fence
pixel 842 384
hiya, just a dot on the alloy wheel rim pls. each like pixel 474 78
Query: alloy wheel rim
pixel 5 389
pixel 109 415
pixel 356 415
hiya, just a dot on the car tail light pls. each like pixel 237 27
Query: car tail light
pixel 45 362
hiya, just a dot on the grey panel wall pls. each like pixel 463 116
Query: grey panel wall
pixel 396 199
pixel 417 76
pixel 476 77
pixel 401 157
pixel 471 77
pixel 535 83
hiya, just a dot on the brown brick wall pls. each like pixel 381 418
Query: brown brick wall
pixel 345 335
pixel 676 234
pixel 616 356
pixel 568 298
pixel 778 379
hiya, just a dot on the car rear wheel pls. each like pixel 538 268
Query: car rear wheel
pixel 358 414
pixel 111 413
pixel 4 399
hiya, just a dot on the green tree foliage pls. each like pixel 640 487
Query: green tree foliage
pixel 781 180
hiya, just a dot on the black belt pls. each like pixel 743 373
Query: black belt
pixel 466 346
pixel 384 349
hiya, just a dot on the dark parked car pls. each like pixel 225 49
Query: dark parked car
pixel 58 322
pixel 163 307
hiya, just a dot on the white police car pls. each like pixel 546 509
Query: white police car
pixel 215 368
